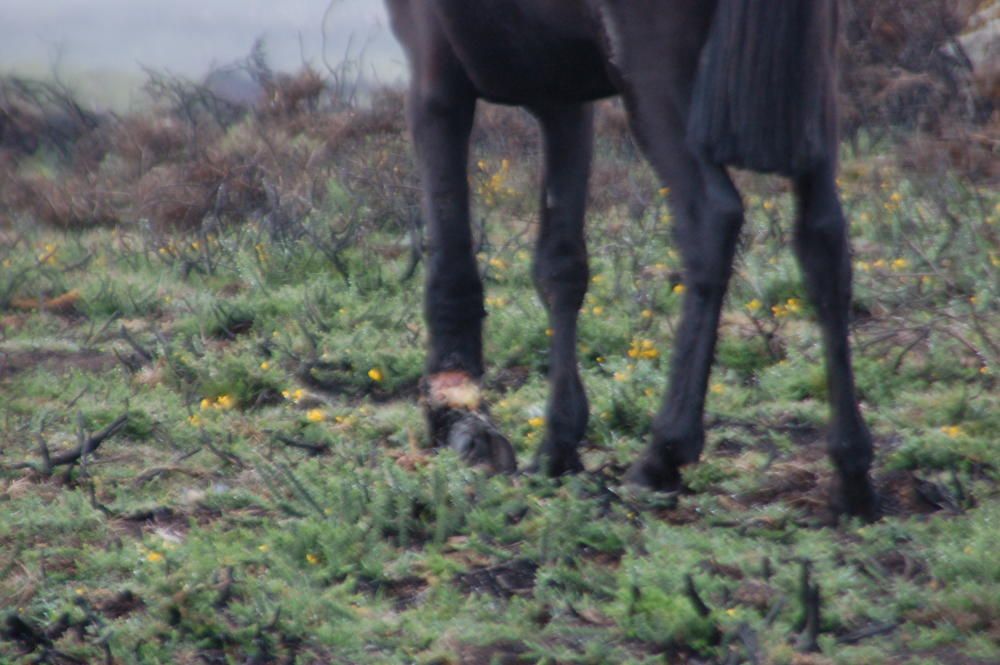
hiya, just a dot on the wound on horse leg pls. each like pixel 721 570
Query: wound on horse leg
pixel 453 389
pixel 456 419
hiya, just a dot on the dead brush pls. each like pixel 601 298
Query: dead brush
pixel 147 140
pixel 902 64
pixel 76 201
pixel 287 96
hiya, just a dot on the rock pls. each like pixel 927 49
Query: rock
pixel 981 43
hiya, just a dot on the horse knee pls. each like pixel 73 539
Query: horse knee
pixel 561 275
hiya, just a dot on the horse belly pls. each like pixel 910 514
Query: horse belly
pixel 527 51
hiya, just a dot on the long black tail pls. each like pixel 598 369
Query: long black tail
pixel 764 97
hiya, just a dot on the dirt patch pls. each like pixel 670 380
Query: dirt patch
pixel 505 580
pixel 405 592
pixel 509 379
pixel 116 605
pixel 500 653
pixel 57 362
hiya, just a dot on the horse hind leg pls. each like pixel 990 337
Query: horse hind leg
pixel 561 276
pixel 708 215
pixel 821 246
pixel 441 110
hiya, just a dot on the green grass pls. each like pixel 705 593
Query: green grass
pixel 198 534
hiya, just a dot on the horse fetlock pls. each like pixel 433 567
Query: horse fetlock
pixel 653 473
pixel 677 447
pixel 557 458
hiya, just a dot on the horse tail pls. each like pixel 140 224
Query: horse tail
pixel 764 95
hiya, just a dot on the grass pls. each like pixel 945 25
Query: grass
pixel 271 497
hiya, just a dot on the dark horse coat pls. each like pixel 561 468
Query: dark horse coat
pixel 707 84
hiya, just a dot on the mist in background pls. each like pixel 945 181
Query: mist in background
pixel 101 46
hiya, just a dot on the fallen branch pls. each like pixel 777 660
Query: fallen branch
pixel 313 449
pixel 173 467
pixel 144 353
pixel 692 593
pixel 749 639
pixel 810 594
pixel 865 633
pixel 86 447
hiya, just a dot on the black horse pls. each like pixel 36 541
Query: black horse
pixel 707 84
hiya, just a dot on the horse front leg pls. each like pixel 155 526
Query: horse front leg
pixel 561 276
pixel 441 119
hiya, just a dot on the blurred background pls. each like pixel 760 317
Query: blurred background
pixel 103 46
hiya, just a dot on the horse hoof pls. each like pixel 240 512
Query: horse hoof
pixel 478 442
pixel 554 466
pixel 653 476
pixel 855 497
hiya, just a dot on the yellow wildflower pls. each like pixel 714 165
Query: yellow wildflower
pixel 793 305
pixel 647 314
pixel 315 415
pixel 597 310
pixel 225 402
pixel 754 305
pixel 549 332
pixel 263 547
pixel 900 264
pixel 265 365
pixel 536 422
pixel 375 374
pixel 718 388
pixel 206 403
pixel 952 431
pixel 679 289
pixel 312 559
pixel 195 420
pixel 154 557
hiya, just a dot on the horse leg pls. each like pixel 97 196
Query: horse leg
pixel 708 215
pixel 822 249
pixel 441 110
pixel 561 275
